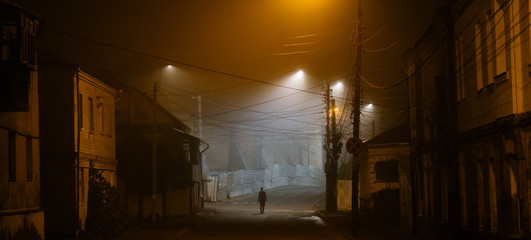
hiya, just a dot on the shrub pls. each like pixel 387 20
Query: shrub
pixel 104 215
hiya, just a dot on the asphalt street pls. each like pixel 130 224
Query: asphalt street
pixel 290 213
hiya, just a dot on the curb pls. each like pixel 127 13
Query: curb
pixel 333 225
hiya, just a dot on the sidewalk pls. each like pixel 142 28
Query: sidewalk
pixel 165 229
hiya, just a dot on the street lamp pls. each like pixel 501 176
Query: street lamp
pixel 156 88
pixel 338 87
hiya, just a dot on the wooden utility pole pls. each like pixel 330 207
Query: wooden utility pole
pixel 334 152
pixel 154 156
pixel 356 121
pixel 330 170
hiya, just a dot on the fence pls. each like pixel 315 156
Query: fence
pixel 231 184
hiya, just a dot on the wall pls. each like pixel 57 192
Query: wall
pixel 57 149
pixel 97 145
pixel 231 184
pixel 344 195
pixel 20 199
pixel 65 179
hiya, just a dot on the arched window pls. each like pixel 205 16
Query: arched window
pixel 462 190
pixel 481 203
pixel 493 200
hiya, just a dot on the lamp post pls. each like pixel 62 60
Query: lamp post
pixel 156 88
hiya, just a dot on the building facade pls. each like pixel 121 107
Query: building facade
pixel 78 133
pixel 176 188
pixel 469 116
pixel 383 184
pixel 21 215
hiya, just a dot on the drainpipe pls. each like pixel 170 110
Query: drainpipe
pixel 78 147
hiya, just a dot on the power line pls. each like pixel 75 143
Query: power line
pixel 177 62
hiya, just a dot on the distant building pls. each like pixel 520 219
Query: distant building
pixel 470 109
pixel 21 214
pixel 381 168
pixel 178 160
pixel 77 132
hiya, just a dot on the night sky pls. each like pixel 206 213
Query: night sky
pixel 242 56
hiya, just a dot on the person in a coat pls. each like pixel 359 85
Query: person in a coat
pixel 262 199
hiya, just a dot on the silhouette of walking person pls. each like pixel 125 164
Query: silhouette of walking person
pixel 262 199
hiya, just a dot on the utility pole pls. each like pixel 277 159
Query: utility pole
pixel 335 151
pixel 330 188
pixel 199 120
pixel 356 122
pixel 154 160
pixel 332 148
pixel 202 154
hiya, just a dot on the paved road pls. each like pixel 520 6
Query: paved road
pixel 289 214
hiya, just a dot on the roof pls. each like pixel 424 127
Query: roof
pixel 48 60
pixel 15 5
pixel 400 134
pixel 113 81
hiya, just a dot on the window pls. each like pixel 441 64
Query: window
pixel 499 38
pixel 479 57
pixel 82 184
pixel 91 114
pixel 187 149
pixel 386 171
pixel 18 40
pixel 12 157
pixel 459 68
pixel 80 111
pixel 489 49
pixel 102 117
pixel 462 179
pixel 29 159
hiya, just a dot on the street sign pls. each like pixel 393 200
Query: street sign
pixel 354 145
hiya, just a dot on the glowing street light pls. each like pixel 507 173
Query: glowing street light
pixel 338 86
pixel 295 79
pixel 299 75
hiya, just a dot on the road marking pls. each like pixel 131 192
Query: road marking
pixel 316 202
